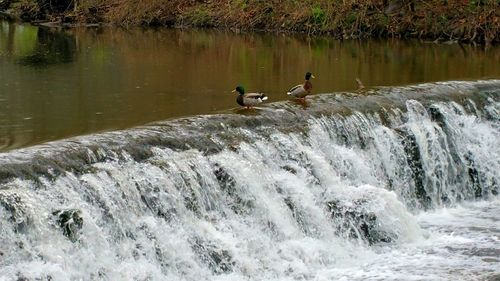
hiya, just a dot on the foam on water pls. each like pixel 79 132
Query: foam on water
pixel 462 243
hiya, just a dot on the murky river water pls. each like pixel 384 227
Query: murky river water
pixel 60 83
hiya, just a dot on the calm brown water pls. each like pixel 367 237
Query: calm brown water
pixel 56 84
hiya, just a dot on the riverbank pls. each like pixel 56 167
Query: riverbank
pixel 455 20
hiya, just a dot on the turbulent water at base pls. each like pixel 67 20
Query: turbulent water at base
pixel 391 184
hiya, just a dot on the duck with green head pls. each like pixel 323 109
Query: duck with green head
pixel 302 90
pixel 248 99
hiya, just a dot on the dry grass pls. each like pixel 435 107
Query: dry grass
pixel 461 20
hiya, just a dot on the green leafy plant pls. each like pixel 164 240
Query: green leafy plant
pixel 318 15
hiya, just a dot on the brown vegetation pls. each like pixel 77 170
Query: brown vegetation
pixel 455 20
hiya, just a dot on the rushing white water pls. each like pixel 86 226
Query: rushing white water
pixel 461 243
pixel 348 198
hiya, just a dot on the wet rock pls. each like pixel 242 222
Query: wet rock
pixel 299 216
pixel 289 169
pixel 44 278
pixel 191 201
pixel 218 260
pixel 412 152
pixel 473 176
pixel 228 184
pixel 19 215
pixel 152 203
pixel 70 221
pixel 226 181
pixel 437 116
pixel 493 277
pixel 151 197
pixel 354 222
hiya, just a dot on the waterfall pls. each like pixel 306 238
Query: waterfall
pixel 286 193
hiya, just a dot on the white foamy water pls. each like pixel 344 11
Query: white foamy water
pixel 461 243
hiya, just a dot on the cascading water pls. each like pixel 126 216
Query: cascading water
pixel 353 187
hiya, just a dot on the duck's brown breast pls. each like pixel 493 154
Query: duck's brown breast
pixel 308 86
pixel 239 100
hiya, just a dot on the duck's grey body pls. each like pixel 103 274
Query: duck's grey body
pixel 250 99
pixel 302 90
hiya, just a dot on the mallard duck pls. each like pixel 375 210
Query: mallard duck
pixel 302 90
pixel 249 99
